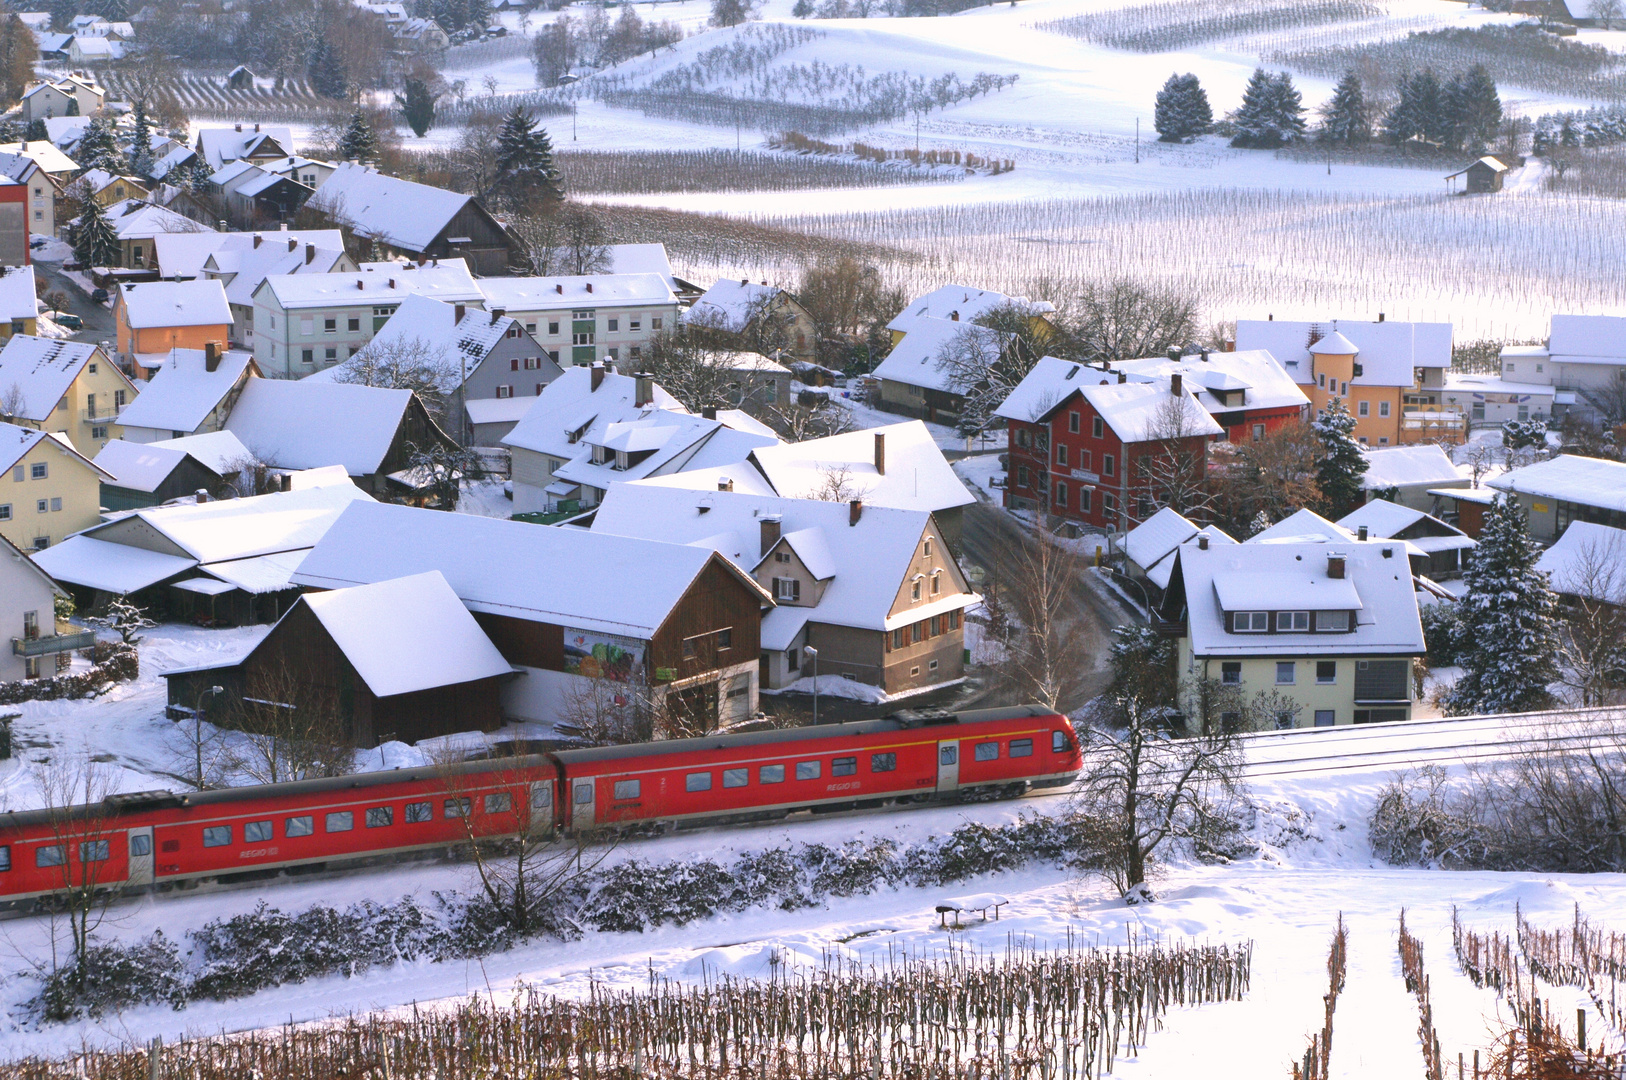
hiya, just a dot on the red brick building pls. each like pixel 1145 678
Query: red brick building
pixel 1248 393
pixel 1089 448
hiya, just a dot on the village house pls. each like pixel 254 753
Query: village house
pixel 304 322
pixel 224 560
pixel 69 387
pixel 925 373
pixel 873 590
pixel 19 305
pixel 42 190
pixel 1481 177
pixel 137 225
pixel 1445 548
pixel 961 303
pixel 14 243
pixel 74 95
pixel 758 379
pixel 1382 370
pixel 254 196
pixel 94 49
pixel 42 152
pixel 48 490
pixel 769 317
pixel 154 318
pixel 1294 634
pixel 150 474
pixel 400 659
pixel 1565 489
pixel 1248 394
pixel 420 35
pixel 1094 448
pixel 254 143
pixel 1588 563
pixel 675 625
pixel 1583 361
pixel 302 170
pixel 1491 400
pixel 581 320
pixel 1149 548
pixel 1409 474
pixel 104 188
pixel 241 261
pixel 176 157
pixel 621 259
pixel 190 394
pixel 28 620
pixel 416 220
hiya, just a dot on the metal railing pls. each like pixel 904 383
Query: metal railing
pixel 54 643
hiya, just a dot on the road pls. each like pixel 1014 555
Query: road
pixel 98 320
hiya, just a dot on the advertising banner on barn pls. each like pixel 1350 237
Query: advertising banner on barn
pixel 603 656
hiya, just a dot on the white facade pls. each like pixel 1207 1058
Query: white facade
pixel 582 319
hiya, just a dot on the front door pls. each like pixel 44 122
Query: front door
pixel 581 806
pixel 948 767
pixel 140 841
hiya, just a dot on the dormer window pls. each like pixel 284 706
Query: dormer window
pixel 1250 622
pixel 1292 620
pixel 1332 620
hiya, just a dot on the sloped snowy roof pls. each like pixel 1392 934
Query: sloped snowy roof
pixel 138 466
pixel 498 410
pixel 742 476
pixel 642 259
pixel 377 283
pixel 1383 518
pixel 673 440
pixel 16 442
pixel 407 634
pixel 569 411
pixel 1136 411
pixel 916 360
pixel 589 291
pixel 1402 466
pixel 1589 561
pixel 1302 524
pixel 17 167
pixel 18 299
pixel 100 564
pixel 1495 384
pixel 170 161
pixel 916 476
pixel 742 421
pixel 219 450
pixel 731 305
pixel 1152 543
pixel 1387 351
pixel 1588 339
pixel 43 369
pixel 175 303
pixel 962 300
pixel 220 145
pixel 568 577
pixel 134 219
pixel 403 213
pixel 1572 478
pixel 305 425
pixel 455 348
pixel 180 396
pixel 1334 344
pixel 280 253
pixel 1264 383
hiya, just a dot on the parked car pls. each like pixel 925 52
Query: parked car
pixel 70 322
pixel 100 296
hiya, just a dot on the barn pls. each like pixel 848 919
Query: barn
pixel 1482 177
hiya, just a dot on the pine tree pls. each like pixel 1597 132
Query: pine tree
pixel 326 71
pixel 1509 633
pixel 1420 112
pixel 141 141
pixel 194 175
pixel 358 143
pixel 1272 112
pixel 36 131
pixel 95 243
pixel 417 107
pixel 1345 119
pixel 803 9
pixel 1182 111
pixel 1342 462
pixel 99 148
pixel 525 160
pixel 1473 109
pixel 1288 105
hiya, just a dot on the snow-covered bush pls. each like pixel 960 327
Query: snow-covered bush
pixel 853 869
pixel 1415 823
pixel 113 977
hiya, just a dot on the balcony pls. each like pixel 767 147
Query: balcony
pixel 56 643
pixel 102 414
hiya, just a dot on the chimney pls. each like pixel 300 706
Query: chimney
pixel 725 484
pixel 709 412
pixel 256 129
pixel 293 245
pixel 285 482
pixel 211 356
pixel 1270 318
pixel 1175 382
pixel 745 281
pixel 1380 316
pixel 1335 566
pixel 257 241
pixel 597 378
pixel 310 253
pixel 360 285
pixel 222 224
pixel 954 316
pixel 770 532
pixel 495 315
pixel 1174 352
pixel 1204 355
pixel 559 288
pixel 202 496
pixel 1123 377
pixel 499 311
pixel 392 283
pixel 589 286
pixel 239 127
pixel 644 388
pixel 1361 534
pixel 458 311
pixel 855 510
pixel 1202 541
pixel 880 452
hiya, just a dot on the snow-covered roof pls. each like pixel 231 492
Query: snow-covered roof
pixel 17 167
pixel 1334 344
pixel 220 145
pixel 741 477
pixel 1264 383
pixel 498 410
pixel 183 392
pixel 962 300
pixel 407 634
pixel 731 305
pixel 219 450
pixel 1383 518
pixel 99 180
pixel 18 299
pixel 244 269
pixel 1404 466
pixel 232 170
pixel 1301 525
pixel 589 291
pixel 241 253
pixel 1151 544
pixel 1388 352
pixel 44 154
pixel 1377 586
pixel 642 259
pixel 408 215
pixel 1494 384
pixel 42 369
pixel 915 475
pixel 170 160
pixel 1587 339
pixel 455 348
pixel 52 41
pixel 305 425
pixel 138 466
pixel 108 567
pixel 916 360
pixel 377 283
pixel 568 577
pixel 96 47
pixel 740 420
pixel 175 303
pixel 1589 561
pixel 134 219
pixel 226 529
pixel 250 186
pixel 569 411
pixel 1572 478
pixel 666 442
pixel 259 573
pixel 1136 411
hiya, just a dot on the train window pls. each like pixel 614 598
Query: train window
pixel 379 817
pixel 697 781
pixel 1058 742
pixel 948 755
pixel 584 794
pixel 50 855
pixel 341 821
pixel 1021 748
pixel 456 808
pixel 736 777
pixel 883 762
pixel 5 858
pixel 627 789
pixel 843 766
pixel 541 796
pixel 256 831
pixel 140 844
pixel 298 826
pixel 417 812
pixel 498 802
pixel 217 836
pixel 771 774
pixel 807 770
pixel 93 851
pixel 986 751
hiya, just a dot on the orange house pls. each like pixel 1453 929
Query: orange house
pixel 154 317
pixel 1376 409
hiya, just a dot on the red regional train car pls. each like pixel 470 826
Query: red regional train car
pixel 163 840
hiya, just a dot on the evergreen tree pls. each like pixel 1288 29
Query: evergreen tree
pixel 525 160
pixel 95 243
pixel 1182 111
pixel 36 131
pixel 99 148
pixel 1473 109
pixel 1342 462
pixel 803 9
pixel 1509 635
pixel 326 71
pixel 417 107
pixel 1420 112
pixel 1345 119
pixel 141 141
pixel 1272 112
pixel 358 142
pixel 194 176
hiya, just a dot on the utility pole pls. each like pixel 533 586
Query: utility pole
pixel 1137 140
pixel 573 120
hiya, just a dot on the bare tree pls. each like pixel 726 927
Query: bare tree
pixel 570 239
pixel 1592 624
pixel 124 619
pixel 79 856
pixel 1124 319
pixel 1173 472
pixel 697 365
pixel 835 484
pixel 1609 399
pixel 12 402
pixel 293 726
pixel 983 366
pixel 1047 658
pixel 442 470
pixel 608 711
pixel 203 753
pixel 1481 459
pixel 1607 12
pixel 798 422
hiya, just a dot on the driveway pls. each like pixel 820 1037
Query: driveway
pixel 98 320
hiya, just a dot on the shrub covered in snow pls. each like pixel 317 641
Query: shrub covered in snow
pixel 112 977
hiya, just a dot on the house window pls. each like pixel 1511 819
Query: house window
pixel 38 471
pixel 585 338
pixel 725 638
pixel 937 584
pixel 1022 476
pixel 530 328
pixel 1061 493
pixel 914 590
pixel 612 326
pixel 897 638
pixel 1061 454
pixel 1097 428
pixel 1332 620
pixel 1326 671
pixel 1284 672
pixel 353 324
pixel 5 511
pixel 42 506
pixel 1363 408
pixel 329 355
pixel 1383 408
pixel 655 323
pixel 1292 620
pixel 1072 422
pixel 1258 431
pixel 40 544
pixel 505 391
pixel 1231 673
pixel 56 504
pixel 118 398
pixel 1109 502
pixel 307 355
pixel 553 327
pixel 1107 465
pixel 1325 717
pixel 1084 500
pixel 330 326
pixel 635 325
pixel 787 589
pixel 1250 622
pixel 99 432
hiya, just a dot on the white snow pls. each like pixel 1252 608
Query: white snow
pixel 1388 351
pixel 402 213
pixel 1136 411
pixel 916 360
pixel 915 475
pixel 42 369
pixel 1589 339
pixel 183 392
pixel 308 425
pixel 1589 560
pixel 1401 466
pixel 138 466
pixel 1572 478
pixel 377 283
pixel 155 304
pixel 962 303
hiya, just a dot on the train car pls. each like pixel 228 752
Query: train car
pixel 761 775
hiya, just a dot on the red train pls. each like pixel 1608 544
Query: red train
pixel 164 840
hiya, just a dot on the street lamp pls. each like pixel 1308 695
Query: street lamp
pixel 809 650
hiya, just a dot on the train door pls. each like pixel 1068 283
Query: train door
pixel 581 805
pixel 948 766
pixel 140 841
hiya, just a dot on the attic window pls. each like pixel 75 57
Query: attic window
pixel 1332 620
pixel 1292 620
pixel 1250 622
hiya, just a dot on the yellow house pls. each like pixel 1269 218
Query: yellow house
pixel 961 303
pixel 19 310
pixel 70 387
pixel 48 490
pixel 1376 409
pixel 106 188
pixel 154 317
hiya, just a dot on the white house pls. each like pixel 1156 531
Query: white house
pixel 580 320
pixel 242 261
pixel 51 99
pixel 1583 359
pixel 28 627
pixel 924 374
pixel 191 393
pixel 1411 471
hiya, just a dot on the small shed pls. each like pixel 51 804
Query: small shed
pixel 1482 177
pixel 147 474
pixel 240 78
